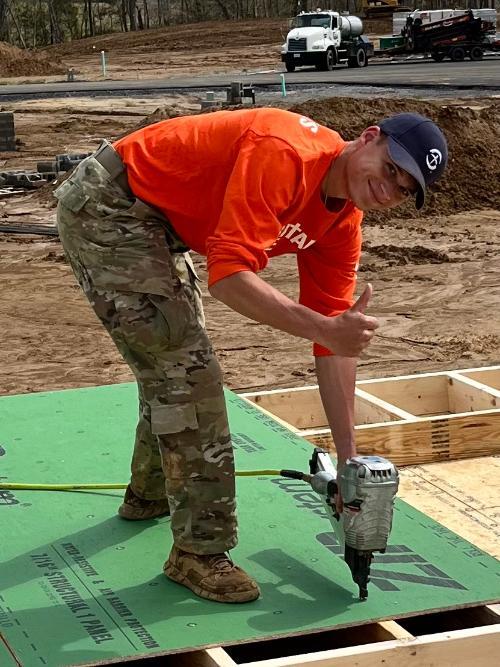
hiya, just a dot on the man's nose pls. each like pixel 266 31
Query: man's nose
pixel 395 189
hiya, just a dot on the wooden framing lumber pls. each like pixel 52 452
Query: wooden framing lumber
pixel 468 395
pixel 460 648
pixel 282 405
pixel 389 644
pixel 489 376
pixel 210 657
pixel 370 409
pixel 412 419
pixel 435 439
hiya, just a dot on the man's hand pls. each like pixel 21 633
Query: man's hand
pixel 350 333
pixel 339 502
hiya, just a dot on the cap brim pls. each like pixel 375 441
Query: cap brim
pixel 404 160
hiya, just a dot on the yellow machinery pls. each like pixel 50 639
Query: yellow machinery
pixel 375 8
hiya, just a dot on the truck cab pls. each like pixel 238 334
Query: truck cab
pixel 325 39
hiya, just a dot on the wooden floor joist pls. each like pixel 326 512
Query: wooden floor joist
pixel 463 638
pixel 411 419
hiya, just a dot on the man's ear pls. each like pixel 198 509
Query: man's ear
pixel 370 134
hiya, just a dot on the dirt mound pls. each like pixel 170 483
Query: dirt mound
pixel 79 123
pixel 399 255
pixel 162 113
pixel 210 35
pixel 465 345
pixel 16 62
pixel 473 175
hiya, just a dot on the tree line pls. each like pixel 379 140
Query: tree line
pixel 37 23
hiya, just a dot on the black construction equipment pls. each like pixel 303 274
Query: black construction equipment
pixel 455 37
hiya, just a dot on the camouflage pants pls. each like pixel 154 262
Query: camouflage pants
pixel 146 295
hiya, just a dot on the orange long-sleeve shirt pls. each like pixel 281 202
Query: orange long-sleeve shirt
pixel 243 186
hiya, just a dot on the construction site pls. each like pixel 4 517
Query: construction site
pixel 81 587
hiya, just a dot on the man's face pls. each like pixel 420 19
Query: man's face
pixel 374 181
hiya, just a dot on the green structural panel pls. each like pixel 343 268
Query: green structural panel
pixel 6 659
pixel 79 585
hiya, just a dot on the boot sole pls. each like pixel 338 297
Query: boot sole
pixel 176 575
pixel 130 514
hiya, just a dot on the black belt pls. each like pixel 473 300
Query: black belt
pixel 112 162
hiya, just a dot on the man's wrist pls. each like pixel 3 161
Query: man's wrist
pixel 322 331
pixel 344 454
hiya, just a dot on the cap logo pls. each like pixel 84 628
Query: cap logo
pixel 433 158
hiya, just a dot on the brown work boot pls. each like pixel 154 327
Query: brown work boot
pixel 134 508
pixel 214 577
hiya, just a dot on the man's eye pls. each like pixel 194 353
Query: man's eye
pixel 392 169
pixel 405 192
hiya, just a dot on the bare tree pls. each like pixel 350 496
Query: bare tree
pixel 145 8
pixel 12 12
pixel 123 15
pixel 4 26
pixel 132 14
pixel 224 9
pixel 89 18
pixel 163 12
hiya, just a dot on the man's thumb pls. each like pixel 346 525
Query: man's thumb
pixel 362 303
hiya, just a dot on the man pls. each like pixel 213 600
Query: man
pixel 239 187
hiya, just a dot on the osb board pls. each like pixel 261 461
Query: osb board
pixel 6 659
pixel 462 495
pixel 79 585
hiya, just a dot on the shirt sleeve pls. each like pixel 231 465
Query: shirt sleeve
pixel 328 271
pixel 267 180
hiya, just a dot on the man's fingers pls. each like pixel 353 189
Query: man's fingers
pixel 362 303
pixel 339 503
pixel 370 322
pixel 367 335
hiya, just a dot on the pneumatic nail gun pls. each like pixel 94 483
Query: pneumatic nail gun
pixel 368 486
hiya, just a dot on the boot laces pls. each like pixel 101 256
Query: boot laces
pixel 221 563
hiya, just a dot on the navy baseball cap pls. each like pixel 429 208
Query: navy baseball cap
pixel 418 146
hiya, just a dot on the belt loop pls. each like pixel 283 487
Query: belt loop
pixel 112 162
pixel 102 146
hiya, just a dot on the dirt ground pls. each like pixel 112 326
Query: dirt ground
pixel 436 274
pixel 229 46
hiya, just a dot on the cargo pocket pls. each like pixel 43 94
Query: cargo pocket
pixel 71 195
pixel 174 418
pixel 175 317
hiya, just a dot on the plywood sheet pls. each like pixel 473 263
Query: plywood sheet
pixel 462 495
pixel 79 585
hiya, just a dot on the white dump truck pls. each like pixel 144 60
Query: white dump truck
pixel 326 39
